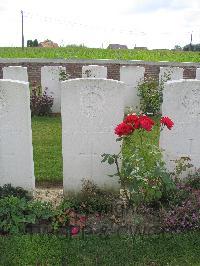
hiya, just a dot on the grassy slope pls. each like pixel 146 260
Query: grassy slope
pixel 168 249
pixel 95 53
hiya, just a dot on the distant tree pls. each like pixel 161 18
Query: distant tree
pixel 76 45
pixel 197 47
pixel 192 47
pixel 31 43
pixel 35 43
pixel 177 47
pixel 188 47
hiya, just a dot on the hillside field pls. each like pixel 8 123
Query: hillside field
pixel 96 53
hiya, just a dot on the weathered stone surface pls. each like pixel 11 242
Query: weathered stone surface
pixel 181 102
pixel 90 108
pixel 131 76
pixel 15 73
pixel 170 73
pixel 50 79
pixel 16 153
pixel 94 71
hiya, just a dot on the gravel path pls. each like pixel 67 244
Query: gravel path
pixel 52 195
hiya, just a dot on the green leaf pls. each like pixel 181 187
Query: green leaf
pixel 111 160
pixel 105 157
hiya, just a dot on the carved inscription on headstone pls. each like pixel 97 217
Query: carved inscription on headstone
pixel 90 109
pixel 191 102
pixel 92 101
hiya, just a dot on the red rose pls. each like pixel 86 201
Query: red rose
pixel 146 122
pixel 74 230
pixel 166 121
pixel 133 120
pixel 123 129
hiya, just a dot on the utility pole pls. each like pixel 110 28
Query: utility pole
pixel 191 42
pixel 22 29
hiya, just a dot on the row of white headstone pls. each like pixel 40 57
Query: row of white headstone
pixel 90 110
pixel 130 75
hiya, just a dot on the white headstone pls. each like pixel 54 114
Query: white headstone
pixel 16 152
pixel 181 102
pixel 131 76
pixel 170 73
pixel 198 73
pixel 94 71
pixel 50 79
pixel 15 73
pixel 90 108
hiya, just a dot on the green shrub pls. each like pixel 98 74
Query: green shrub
pixel 150 92
pixel 92 199
pixel 9 190
pixel 40 210
pixel 40 103
pixel 150 96
pixel 14 215
pixel 17 213
pixel 142 175
pixel 194 180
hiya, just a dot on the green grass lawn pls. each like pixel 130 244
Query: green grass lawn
pixel 47 147
pixel 169 249
pixel 96 53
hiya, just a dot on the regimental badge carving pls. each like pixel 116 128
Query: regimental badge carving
pixel 191 102
pixel 92 102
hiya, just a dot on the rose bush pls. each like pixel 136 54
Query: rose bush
pixel 142 173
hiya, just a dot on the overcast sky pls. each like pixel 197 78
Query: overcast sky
pixel 150 23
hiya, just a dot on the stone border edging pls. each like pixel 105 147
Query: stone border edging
pixel 97 61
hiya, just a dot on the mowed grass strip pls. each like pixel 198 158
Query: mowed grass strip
pixel 165 249
pixel 97 53
pixel 47 148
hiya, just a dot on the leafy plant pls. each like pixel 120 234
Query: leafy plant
pixel 193 180
pixel 41 210
pixel 142 173
pixel 181 165
pixel 185 216
pixel 9 190
pixel 14 215
pixel 40 103
pixel 175 196
pixel 63 75
pixel 150 92
pixel 67 218
pixel 61 217
pixel 92 199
